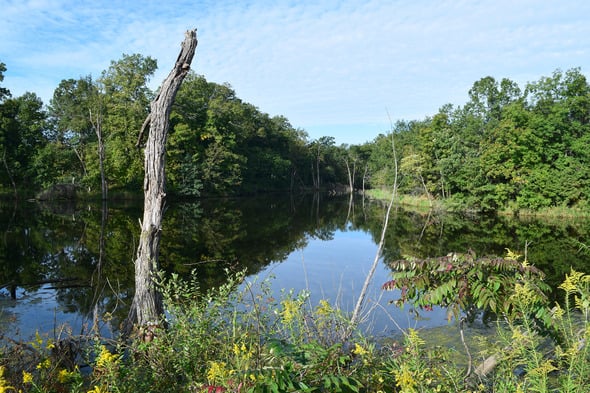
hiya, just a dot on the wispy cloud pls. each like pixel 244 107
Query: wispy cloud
pixel 327 65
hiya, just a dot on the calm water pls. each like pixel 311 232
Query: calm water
pixel 74 263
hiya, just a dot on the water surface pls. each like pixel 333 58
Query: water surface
pixel 73 264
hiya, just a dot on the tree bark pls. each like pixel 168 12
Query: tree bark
pixel 147 308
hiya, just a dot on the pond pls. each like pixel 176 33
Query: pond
pixel 73 263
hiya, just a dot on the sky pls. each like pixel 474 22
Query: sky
pixel 347 69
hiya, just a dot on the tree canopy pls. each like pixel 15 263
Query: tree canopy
pixel 507 146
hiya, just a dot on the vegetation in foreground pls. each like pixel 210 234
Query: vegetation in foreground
pixel 238 338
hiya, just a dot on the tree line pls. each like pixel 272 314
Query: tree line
pixel 507 146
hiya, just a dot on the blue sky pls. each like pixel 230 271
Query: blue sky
pixel 331 67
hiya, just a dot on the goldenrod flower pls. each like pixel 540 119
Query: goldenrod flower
pixel 324 309
pixel 359 350
pixel 38 342
pixel 414 339
pixel 63 376
pixel 570 284
pixel 242 351
pixel 523 294
pixel 4 387
pixel 512 256
pixel 27 377
pixel 45 364
pixel 404 379
pixel 218 372
pixel 290 309
pixel 106 358
pixel 558 312
pixel 543 369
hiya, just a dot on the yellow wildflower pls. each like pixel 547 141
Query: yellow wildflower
pixel 45 364
pixel 414 339
pixel 558 312
pixel 543 369
pixel 96 389
pixel 4 387
pixel 242 351
pixel 523 294
pixel 106 358
pixel 519 337
pixel 50 344
pixel 359 350
pixel 64 376
pixel 38 342
pixel 290 309
pixel 404 379
pixel 218 372
pixel 27 377
pixel 324 309
pixel 511 255
pixel 570 284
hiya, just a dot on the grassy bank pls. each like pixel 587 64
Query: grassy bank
pixel 422 203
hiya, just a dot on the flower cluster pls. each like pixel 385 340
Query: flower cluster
pixel 290 311
pixel 4 387
pixel 106 359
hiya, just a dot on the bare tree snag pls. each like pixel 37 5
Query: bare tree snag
pixel 147 308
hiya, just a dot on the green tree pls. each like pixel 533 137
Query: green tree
pixel 22 134
pixel 70 110
pixel 222 145
pixel 4 92
pixel 203 143
pixel 126 97
pixel 321 151
pixel 559 107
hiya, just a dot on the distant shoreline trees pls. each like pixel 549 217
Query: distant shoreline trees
pixel 506 147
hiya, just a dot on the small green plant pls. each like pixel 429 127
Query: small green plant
pixel 465 285
pixel 527 360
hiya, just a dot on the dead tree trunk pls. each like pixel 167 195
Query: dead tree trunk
pixel 147 305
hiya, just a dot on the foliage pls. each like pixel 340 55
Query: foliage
pixel 464 283
pixel 507 147
pixel 222 145
pixel 527 361
pixel 41 365
pixel 22 122
pixel 239 338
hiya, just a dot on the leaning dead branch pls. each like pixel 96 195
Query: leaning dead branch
pixel 355 319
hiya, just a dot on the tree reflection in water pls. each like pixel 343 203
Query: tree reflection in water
pixel 74 263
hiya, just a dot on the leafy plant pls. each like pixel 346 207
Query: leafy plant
pixel 464 283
